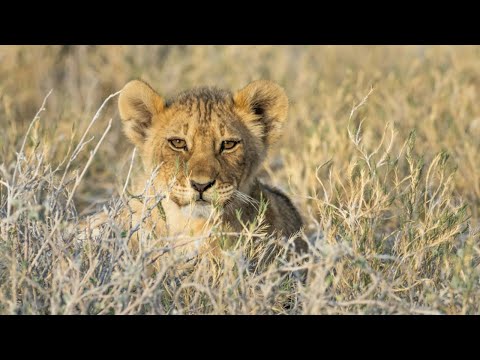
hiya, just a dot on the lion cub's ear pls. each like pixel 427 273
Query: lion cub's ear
pixel 264 106
pixel 138 105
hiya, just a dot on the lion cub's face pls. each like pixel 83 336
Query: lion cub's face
pixel 207 143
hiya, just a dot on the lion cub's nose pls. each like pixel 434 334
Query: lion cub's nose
pixel 202 187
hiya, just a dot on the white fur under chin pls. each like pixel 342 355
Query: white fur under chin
pixel 181 218
pixel 197 211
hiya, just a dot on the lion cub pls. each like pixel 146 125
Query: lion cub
pixel 207 146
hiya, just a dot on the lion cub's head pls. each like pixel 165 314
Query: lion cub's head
pixel 208 143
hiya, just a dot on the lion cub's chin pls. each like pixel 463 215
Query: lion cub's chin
pixel 197 210
pixel 189 219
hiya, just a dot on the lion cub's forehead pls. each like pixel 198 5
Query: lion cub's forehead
pixel 203 104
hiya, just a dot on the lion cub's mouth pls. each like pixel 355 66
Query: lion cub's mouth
pixel 196 201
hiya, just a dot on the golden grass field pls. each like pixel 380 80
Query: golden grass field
pixel 381 154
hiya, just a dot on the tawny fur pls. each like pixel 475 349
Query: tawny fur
pixel 201 120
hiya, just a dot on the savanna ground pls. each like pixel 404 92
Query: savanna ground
pixel 387 180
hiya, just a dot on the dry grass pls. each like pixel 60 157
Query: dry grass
pixel 388 182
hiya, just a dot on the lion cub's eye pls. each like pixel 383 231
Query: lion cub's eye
pixel 178 144
pixel 228 145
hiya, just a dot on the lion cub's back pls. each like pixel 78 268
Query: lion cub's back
pixel 284 215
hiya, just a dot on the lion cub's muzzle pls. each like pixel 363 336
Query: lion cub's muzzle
pixel 202 193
